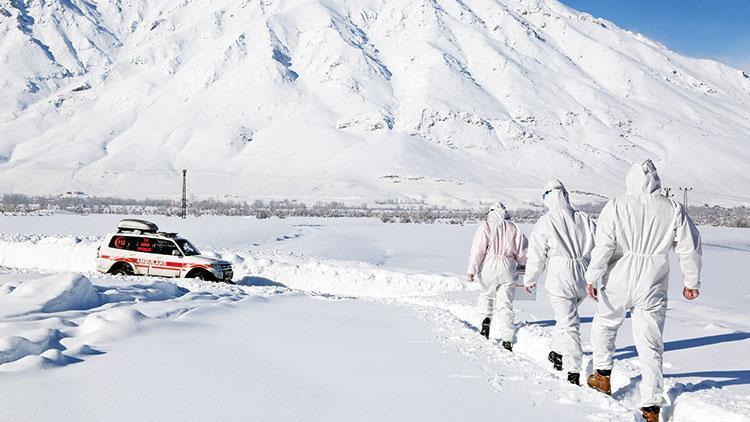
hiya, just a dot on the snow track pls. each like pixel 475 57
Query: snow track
pixel 74 316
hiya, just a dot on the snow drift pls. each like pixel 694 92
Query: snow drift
pixel 55 293
pixel 441 101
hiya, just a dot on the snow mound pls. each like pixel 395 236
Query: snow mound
pixel 148 290
pixel 340 278
pixel 54 293
pixel 51 358
pixel 52 253
pixel 13 348
pixel 111 325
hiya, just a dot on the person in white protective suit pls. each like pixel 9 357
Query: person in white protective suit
pixel 629 271
pixel 561 242
pixel 498 255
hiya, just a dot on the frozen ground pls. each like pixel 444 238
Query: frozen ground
pixel 334 319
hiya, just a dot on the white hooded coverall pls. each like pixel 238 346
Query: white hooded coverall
pixel 499 247
pixel 561 242
pixel 630 268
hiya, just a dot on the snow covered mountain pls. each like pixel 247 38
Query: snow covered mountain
pixel 445 101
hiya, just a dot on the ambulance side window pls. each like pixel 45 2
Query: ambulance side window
pixel 144 244
pixel 128 243
pixel 163 247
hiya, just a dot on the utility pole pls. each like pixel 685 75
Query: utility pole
pixel 667 194
pixel 684 198
pixel 184 193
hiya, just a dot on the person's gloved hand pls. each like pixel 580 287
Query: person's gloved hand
pixel 529 287
pixel 592 291
pixel 690 294
pixel 470 277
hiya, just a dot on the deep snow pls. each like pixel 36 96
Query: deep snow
pixel 335 319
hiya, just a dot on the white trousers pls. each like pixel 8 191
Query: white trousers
pixel 567 332
pixel 496 295
pixel 648 326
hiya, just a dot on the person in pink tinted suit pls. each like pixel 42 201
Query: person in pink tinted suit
pixel 498 256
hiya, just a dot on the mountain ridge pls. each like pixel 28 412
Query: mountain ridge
pixel 447 102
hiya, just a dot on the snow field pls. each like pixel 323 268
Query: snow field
pixel 705 342
pixel 61 318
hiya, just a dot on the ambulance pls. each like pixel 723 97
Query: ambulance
pixel 139 248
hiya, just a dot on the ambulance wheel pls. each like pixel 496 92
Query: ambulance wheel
pixel 121 269
pixel 201 275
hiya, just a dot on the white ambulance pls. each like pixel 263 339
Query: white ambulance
pixel 139 248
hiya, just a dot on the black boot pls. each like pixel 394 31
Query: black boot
pixel 556 360
pixel 508 346
pixel 486 328
pixel 574 378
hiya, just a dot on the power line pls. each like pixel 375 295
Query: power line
pixel 685 191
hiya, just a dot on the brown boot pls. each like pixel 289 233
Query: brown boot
pixel 600 382
pixel 651 413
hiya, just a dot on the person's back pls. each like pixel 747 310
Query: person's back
pixel 561 243
pixel 498 249
pixel 629 271
pixel 567 222
pixel 497 237
pixel 643 224
pixel 569 239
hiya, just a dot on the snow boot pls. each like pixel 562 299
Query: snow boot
pixel 508 346
pixel 651 413
pixel 599 381
pixel 574 378
pixel 556 360
pixel 486 328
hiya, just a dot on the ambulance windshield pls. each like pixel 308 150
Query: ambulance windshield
pixel 187 247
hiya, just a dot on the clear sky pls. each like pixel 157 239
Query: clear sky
pixel 716 29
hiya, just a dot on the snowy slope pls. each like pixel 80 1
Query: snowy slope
pixel 334 319
pixel 445 101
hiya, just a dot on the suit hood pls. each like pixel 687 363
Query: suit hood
pixel 642 179
pixel 555 195
pixel 498 212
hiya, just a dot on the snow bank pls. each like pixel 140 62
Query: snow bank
pixel 340 278
pixel 74 254
pixel 346 278
pixel 54 293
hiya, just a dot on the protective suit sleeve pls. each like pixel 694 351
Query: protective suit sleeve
pixel 521 246
pixel 688 249
pixel 537 255
pixel 478 248
pixel 605 246
pixel 592 235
